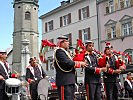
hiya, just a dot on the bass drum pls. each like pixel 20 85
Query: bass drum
pixel 43 87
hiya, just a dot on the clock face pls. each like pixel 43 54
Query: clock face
pixel 27 7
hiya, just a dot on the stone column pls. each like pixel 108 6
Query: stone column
pixel 25 56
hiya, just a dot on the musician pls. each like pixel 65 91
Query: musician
pixel 34 73
pixel 65 69
pixel 5 73
pixel 128 84
pixel 111 77
pixel 92 73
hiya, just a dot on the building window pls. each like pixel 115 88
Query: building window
pixel 50 25
pixel 65 20
pixel 84 13
pixel 84 34
pixel 110 27
pixel 27 15
pixel 124 3
pixel 111 6
pixel 127 28
pixel 113 31
pixel 127 3
pixel 130 53
pixel 107 7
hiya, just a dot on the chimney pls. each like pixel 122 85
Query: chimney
pixel 65 2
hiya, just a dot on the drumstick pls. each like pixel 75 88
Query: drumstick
pixel 18 74
pixel 15 71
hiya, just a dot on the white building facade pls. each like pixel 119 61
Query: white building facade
pixel 116 25
pixel 76 19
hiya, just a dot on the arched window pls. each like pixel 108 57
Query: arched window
pixel 27 15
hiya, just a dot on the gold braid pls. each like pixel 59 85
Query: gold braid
pixel 59 65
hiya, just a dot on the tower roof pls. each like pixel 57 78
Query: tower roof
pixel 35 2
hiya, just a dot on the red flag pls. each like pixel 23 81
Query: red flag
pixel 47 43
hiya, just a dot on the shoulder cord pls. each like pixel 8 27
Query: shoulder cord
pixel 59 65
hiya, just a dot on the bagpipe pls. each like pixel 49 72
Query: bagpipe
pixel 80 52
pixel 103 59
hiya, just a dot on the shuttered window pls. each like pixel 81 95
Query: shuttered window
pixel 89 34
pixel 87 11
pixel 107 10
pixel 86 34
pixel 70 39
pixel 113 31
pixel 69 18
pixel 80 34
pixel 47 65
pixel 79 14
pixel 111 6
pixel 83 12
pixel 50 25
pixel 46 29
pixel 65 20
pixel 127 29
pixel 61 22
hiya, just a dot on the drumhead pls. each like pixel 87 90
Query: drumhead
pixel 43 87
pixel 13 82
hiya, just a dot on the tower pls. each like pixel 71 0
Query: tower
pixel 25 25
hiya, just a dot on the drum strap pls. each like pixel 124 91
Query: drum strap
pixel 4 68
pixel 40 68
pixel 130 84
pixel 89 60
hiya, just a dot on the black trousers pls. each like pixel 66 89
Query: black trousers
pixel 3 95
pixel 33 91
pixel 111 90
pixel 66 92
pixel 93 91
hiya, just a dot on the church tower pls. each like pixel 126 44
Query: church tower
pixel 25 25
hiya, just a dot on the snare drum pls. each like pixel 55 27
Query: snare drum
pixel 43 87
pixel 12 86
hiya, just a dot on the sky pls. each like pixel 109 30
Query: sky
pixel 7 18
